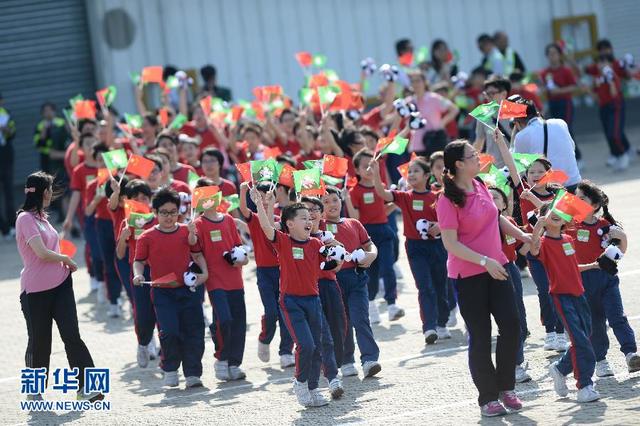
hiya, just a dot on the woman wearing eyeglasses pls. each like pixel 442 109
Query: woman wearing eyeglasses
pixel 46 284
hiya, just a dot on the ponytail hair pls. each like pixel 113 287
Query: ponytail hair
pixel 453 152
pixel 34 187
pixel 598 197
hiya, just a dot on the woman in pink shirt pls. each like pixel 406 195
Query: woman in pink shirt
pixel 46 286
pixel 470 224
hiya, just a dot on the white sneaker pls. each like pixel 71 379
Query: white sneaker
pixel 443 333
pixel 380 293
pixel 94 284
pixel 550 342
pixel 430 337
pixel 524 273
pixel 397 271
pixel 143 356
pixel 287 360
pixel 302 393
pixel 395 312
pixel 263 352
pixel 612 160
pixel 521 374
pixel 348 370
pixel 317 398
pixel 170 379
pixel 193 382
pixel 453 318
pixel 221 369
pixel 633 362
pixel 561 342
pixel 114 311
pixel 587 394
pixel 374 314
pixel 153 349
pixel 205 313
pixel 236 373
pixel 371 368
pixel 559 380
pixel 335 388
pixel 101 293
pixel 603 369
pixel 622 162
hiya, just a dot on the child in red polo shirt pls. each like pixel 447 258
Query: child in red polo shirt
pixel 268 280
pixel 211 161
pixel 556 251
pixel 168 249
pixel 179 171
pixel 299 257
pixel 365 205
pixel 218 234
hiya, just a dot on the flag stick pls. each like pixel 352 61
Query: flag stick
pixel 498 118
pixel 124 172
pixel 320 102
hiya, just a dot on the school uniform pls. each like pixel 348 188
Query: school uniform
pixel 268 278
pixel 371 208
pixel 123 267
pixel 565 286
pixel 427 258
pixel 602 291
pixel 178 310
pixel 300 302
pixel 225 288
pixel 355 294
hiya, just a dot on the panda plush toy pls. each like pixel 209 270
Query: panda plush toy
pixel 608 260
pixel 238 254
pixel 185 200
pixel 416 121
pixel 389 72
pixel 368 65
pixel 422 226
pixel 333 255
pixel 190 277
pixel 326 236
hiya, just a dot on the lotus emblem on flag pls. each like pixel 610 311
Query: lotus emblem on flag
pixel 140 222
pixel 266 173
pixel 308 183
pixel 208 204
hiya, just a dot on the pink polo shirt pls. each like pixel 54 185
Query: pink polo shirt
pixel 432 108
pixel 477 226
pixel 38 275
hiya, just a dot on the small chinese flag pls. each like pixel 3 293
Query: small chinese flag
pixel 486 160
pixel 304 59
pixel 553 176
pixel 245 171
pixel 352 182
pixel 205 104
pixel 271 152
pixel 85 109
pixel 286 176
pixel 570 207
pixel 152 74
pixel 202 193
pixel 140 166
pixel 335 166
pixel 68 248
pixel 406 59
pixel 236 113
pixel 318 80
pixel 133 206
pixel 169 280
pixel 512 110
pixel 103 175
pixel 106 96
pixel 163 116
pixel 403 169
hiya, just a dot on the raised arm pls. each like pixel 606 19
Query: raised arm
pixel 511 229
pixel 265 223
pixel 385 194
pixel 507 157
pixel 352 211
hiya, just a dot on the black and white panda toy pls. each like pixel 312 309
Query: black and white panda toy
pixel 238 254
pixel 190 276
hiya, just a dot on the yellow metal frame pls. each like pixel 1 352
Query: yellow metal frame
pixel 557 24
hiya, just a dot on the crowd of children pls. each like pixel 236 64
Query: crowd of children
pixel 310 195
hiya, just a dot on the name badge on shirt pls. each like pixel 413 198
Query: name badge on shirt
pixel 368 197
pixel 568 249
pixel 418 205
pixel 215 235
pixel 298 253
pixel 510 240
pixel 583 235
pixel 333 228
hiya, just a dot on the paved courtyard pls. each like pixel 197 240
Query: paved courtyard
pixel 417 385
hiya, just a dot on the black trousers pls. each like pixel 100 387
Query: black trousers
pixel 480 297
pixel 40 310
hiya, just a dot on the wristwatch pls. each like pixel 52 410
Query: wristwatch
pixel 483 261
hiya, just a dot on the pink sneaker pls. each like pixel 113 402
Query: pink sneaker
pixel 511 400
pixel 492 409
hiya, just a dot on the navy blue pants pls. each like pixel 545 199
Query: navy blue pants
pixel 269 288
pixel 107 243
pixel 123 268
pixel 428 262
pixel 329 366
pixel 229 326
pixel 334 312
pixel 144 315
pixel 514 274
pixel 393 224
pixel 382 237
pixel 603 294
pixel 355 297
pixel 548 316
pixel 612 116
pixel 95 251
pixel 181 326
pixel 579 358
pixel 563 109
pixel 303 316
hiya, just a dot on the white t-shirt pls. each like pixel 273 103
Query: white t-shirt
pixel 560 148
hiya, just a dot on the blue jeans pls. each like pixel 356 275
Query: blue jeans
pixel 382 237
pixel 269 288
pixel 95 252
pixel 144 315
pixel 334 313
pixel 107 243
pixel 303 315
pixel 428 262
pixel 181 326
pixel 514 274
pixel 229 326
pixel 548 316
pixel 579 358
pixel 355 297
pixel 603 294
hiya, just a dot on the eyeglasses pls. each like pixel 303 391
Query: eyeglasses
pixel 165 213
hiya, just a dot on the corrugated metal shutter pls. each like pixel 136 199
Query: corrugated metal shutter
pixel 622 17
pixel 45 54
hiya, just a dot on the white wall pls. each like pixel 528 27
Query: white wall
pixel 252 42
